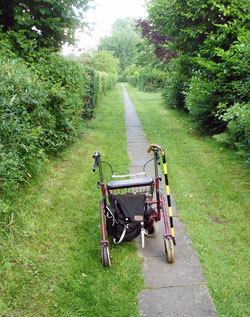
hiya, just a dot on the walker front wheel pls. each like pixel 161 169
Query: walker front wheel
pixel 152 232
pixel 169 249
pixel 105 256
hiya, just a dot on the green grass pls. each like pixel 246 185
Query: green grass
pixel 211 189
pixel 50 256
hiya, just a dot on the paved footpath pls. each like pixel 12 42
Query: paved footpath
pixel 178 289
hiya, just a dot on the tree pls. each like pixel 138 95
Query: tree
pixel 48 23
pixel 121 42
pixel 159 41
pixel 190 22
pixel 211 75
pixel 104 61
pixel 144 55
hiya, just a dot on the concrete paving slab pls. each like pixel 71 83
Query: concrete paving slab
pixel 131 138
pixel 186 270
pixel 139 162
pixel 138 147
pixel 137 155
pixel 133 123
pixel 195 302
pixel 135 131
pixel 136 169
pixel 139 169
pixel 177 289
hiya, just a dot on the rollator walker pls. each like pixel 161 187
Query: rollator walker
pixel 133 204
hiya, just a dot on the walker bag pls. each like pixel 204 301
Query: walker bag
pixel 124 216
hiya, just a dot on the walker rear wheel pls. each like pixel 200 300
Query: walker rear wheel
pixel 169 249
pixel 105 256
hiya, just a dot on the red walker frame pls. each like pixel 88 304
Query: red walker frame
pixel 169 239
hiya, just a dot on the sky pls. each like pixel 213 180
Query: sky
pixel 101 18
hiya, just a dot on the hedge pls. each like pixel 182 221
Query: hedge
pixel 148 79
pixel 42 106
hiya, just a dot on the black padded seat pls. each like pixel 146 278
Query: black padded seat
pixel 134 182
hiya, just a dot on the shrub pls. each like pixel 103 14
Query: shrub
pixel 41 109
pixel 133 80
pixel 177 82
pixel 147 79
pixel 151 79
pixel 91 93
pixel 104 61
pixel 122 78
pixel 106 81
pixel 202 100
pixel 237 118
pixel 23 123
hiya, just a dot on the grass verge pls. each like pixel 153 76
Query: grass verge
pixel 50 256
pixel 211 189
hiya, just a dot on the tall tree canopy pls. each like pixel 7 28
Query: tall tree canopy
pixel 104 61
pixel 122 42
pixel 190 22
pixel 157 39
pixel 49 23
pixel 208 72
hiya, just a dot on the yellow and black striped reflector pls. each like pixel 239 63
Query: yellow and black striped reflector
pixel 168 195
pixel 167 186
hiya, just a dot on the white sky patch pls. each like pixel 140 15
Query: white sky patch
pixel 101 18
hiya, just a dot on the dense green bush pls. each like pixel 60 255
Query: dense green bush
pixel 237 134
pixel 25 123
pixel 178 77
pixel 214 84
pixel 132 74
pixel 66 82
pixel 151 79
pixel 91 93
pixel 42 106
pixel 133 80
pixel 147 79
pixel 122 78
pixel 104 61
pixel 44 97
pixel 202 99
pixel 106 81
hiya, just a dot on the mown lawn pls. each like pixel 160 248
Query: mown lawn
pixel 50 256
pixel 211 189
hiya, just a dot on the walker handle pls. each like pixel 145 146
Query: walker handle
pixel 152 146
pixel 96 156
pixel 157 157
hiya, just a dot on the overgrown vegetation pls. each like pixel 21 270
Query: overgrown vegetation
pixel 147 72
pixel 41 23
pixel 42 107
pixel 146 78
pixel 206 47
pixel 138 64
pixel 104 61
pixel 198 52
pixel 211 190
pixel 121 42
pixel 50 263
pixel 44 97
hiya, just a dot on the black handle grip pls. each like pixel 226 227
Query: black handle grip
pixel 96 156
pixel 95 165
pixel 157 158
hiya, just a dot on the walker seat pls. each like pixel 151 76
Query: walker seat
pixel 127 183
